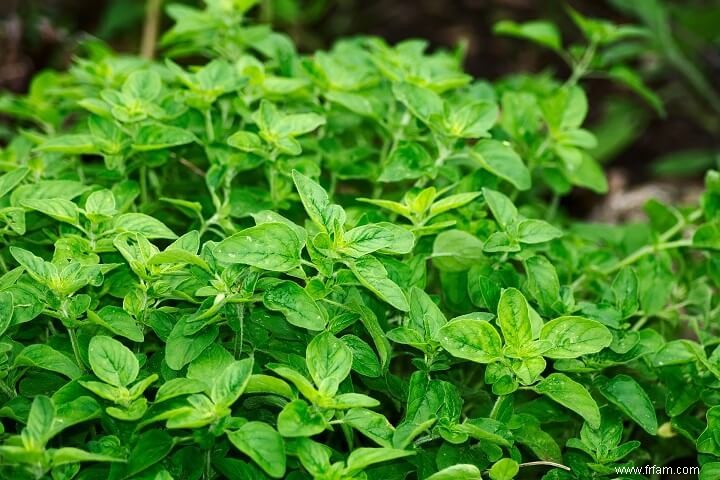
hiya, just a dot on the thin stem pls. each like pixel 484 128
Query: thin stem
pixel 144 184
pixel 581 67
pixel 150 29
pixel 76 348
pixel 548 464
pixel 209 129
pixel 638 254
pixel 208 465
pixel 7 390
pixel 3 265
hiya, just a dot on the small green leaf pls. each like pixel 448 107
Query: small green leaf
pixel 146 225
pixel 572 337
pixel 537 231
pixel 57 208
pixel 112 362
pixel 504 469
pixel 329 361
pixel 269 246
pixel 298 307
pixel 373 276
pixel 540 32
pixel 47 358
pixel 626 394
pixel 474 340
pixel 514 319
pixel 460 471
pixel 263 444
pixel 231 382
pixel 298 419
pixel 572 395
pixel 501 160
pixel 501 206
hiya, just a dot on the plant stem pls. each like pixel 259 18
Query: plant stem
pixel 7 390
pixel 150 29
pixel 76 348
pixel 548 464
pixel 144 184
pixel 580 69
pixel 646 250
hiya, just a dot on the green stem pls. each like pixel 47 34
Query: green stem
pixel 3 265
pixel 638 254
pixel 76 348
pixel 581 68
pixel 144 184
pixel 209 130
pixel 7 390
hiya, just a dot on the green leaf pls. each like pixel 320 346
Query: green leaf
pixel 460 471
pixel 471 339
pixel 143 85
pixel 118 321
pixel 6 310
pixel 501 206
pixel 422 102
pixel 514 319
pixel 247 142
pixel 537 231
pixel 625 291
pixel 504 469
pixel 367 239
pixel 298 419
pixel 100 205
pixel 472 120
pixel 112 362
pixel 70 455
pixel 146 225
pixel 263 444
pixel 540 32
pixel 151 447
pixel 298 307
pixel 707 236
pixel 573 336
pixel 70 144
pixel 47 358
pixel 317 203
pixel 364 360
pixel 160 137
pixel 269 246
pixel 57 208
pixel 40 421
pixel 456 251
pixel 425 316
pixel 179 387
pixel 371 424
pixel 360 458
pixel 329 361
pixel 501 160
pixel 407 161
pixel 11 179
pixel 231 382
pixel 572 395
pixel 543 283
pixel 373 276
pixel 626 394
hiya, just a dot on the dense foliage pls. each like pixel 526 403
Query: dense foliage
pixel 346 265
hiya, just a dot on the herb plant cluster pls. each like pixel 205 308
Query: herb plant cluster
pixel 243 262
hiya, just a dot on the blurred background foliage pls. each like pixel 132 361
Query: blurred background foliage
pixel 663 148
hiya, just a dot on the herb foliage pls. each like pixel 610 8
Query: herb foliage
pixel 344 265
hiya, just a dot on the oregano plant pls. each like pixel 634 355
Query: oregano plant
pixel 239 261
